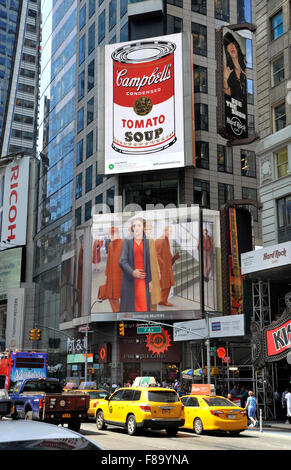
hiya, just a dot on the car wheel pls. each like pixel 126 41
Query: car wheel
pixel 131 425
pixel 28 416
pixel 171 432
pixel 100 421
pixel 198 426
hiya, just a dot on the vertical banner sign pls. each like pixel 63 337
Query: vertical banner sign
pixel 235 280
pixel 232 84
pixel 144 105
pixel 15 202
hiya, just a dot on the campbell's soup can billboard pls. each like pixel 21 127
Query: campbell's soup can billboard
pixel 144 105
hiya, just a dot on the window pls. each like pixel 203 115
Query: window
pixel 78 216
pixel 281 162
pixel 78 186
pixel 88 179
pixel 225 193
pixel 224 159
pixel 250 193
pixel 174 24
pixel 199 6
pixel 101 27
pixel 244 11
pixel 250 87
pixel 201 193
pixel 199 33
pixel 201 116
pixel 177 3
pixel 80 120
pixel 88 210
pixel 112 14
pixel 124 33
pixel 91 38
pixel 278 73
pixel 248 163
pixel 82 17
pixel 79 156
pixel 251 124
pixel 202 154
pixel 89 144
pixel 82 50
pixel 90 111
pixel 279 117
pixel 99 178
pixel 123 7
pixel 284 213
pixel 91 70
pixel 91 7
pixel 249 53
pixel 200 79
pixel 110 198
pixel 221 10
pixel 277 25
pixel 81 85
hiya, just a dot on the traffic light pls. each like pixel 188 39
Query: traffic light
pixel 32 335
pixel 121 329
pixel 38 334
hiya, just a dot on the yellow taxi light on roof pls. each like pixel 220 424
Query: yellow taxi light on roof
pixel 144 382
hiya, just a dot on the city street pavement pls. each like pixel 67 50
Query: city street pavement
pixel 282 425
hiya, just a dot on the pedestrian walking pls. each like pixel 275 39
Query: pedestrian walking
pixel 284 404
pixel 288 402
pixel 251 407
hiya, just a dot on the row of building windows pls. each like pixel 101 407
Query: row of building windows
pixel 201 195
pixel 201 119
pixel 112 16
pixel 108 200
pixel 221 9
pixel 88 181
pixel 225 159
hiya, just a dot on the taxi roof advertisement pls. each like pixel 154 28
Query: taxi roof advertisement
pixel 144 125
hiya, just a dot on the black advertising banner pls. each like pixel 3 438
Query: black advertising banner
pixel 235 85
pixel 232 85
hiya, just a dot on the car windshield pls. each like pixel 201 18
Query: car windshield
pixel 163 396
pixel 218 401
pixel 98 394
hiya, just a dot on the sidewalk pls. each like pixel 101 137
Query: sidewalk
pixel 276 425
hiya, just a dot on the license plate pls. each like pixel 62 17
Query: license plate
pixel 231 416
pixel 166 412
pixel 66 415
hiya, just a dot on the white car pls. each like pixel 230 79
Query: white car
pixel 35 435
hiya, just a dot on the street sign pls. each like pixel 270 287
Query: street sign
pixel 148 329
pixel 226 359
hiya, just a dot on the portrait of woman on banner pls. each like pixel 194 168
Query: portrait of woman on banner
pixel 136 267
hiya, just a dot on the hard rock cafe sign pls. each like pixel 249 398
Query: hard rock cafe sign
pixel 273 342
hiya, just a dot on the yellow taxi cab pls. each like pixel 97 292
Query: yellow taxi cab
pixel 91 389
pixel 144 405
pixel 209 412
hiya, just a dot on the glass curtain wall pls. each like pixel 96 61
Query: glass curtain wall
pixel 56 142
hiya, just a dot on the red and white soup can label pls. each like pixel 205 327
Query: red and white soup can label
pixel 143 97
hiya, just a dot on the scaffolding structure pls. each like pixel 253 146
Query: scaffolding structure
pixel 265 378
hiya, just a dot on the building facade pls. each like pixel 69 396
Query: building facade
pixel 71 183
pixel 19 70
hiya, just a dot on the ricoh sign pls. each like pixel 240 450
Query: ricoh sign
pixel 144 127
pixel 15 200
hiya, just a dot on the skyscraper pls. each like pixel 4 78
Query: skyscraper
pixel 72 182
